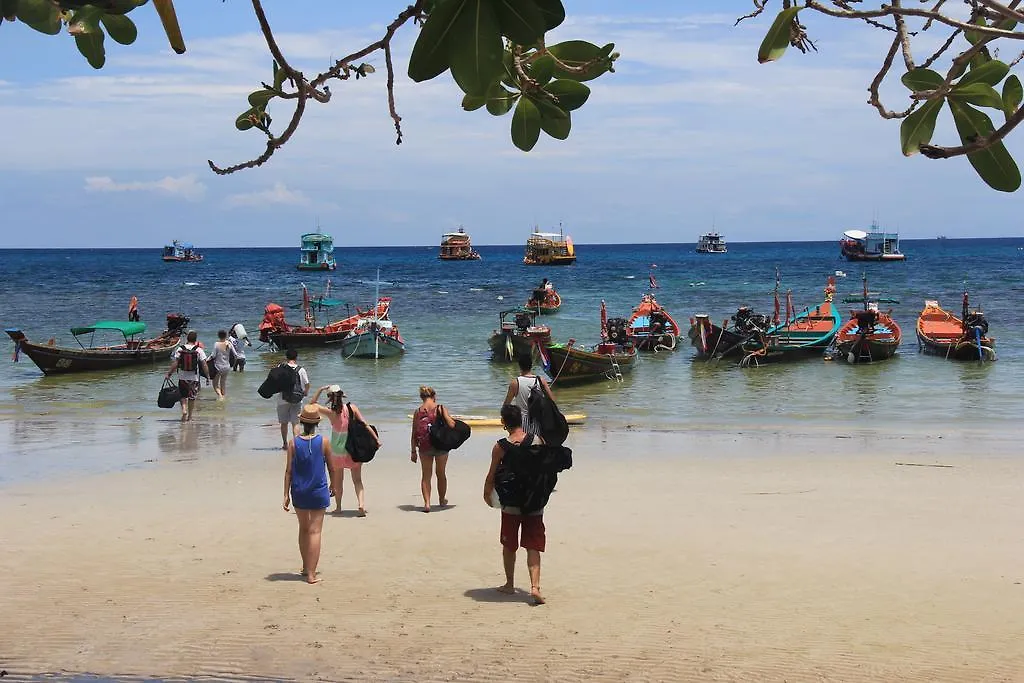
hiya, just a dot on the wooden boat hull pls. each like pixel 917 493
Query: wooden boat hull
pixel 651 327
pixel 371 344
pixel 551 261
pixel 507 346
pixel 881 344
pixel 714 341
pixel 551 303
pixel 940 333
pixel 472 256
pixel 53 360
pixel 297 340
pixel 570 364
pixel 811 330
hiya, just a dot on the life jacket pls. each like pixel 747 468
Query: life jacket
pixel 421 429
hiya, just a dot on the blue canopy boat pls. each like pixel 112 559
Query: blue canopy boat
pixel 316 252
pixel 809 330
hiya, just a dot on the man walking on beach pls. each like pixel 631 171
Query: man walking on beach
pixel 518 393
pixel 188 360
pixel 290 404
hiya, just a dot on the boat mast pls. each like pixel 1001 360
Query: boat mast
pixel 376 319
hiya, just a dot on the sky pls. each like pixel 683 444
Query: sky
pixel 689 134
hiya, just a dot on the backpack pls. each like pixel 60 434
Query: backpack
pixel 445 438
pixel 280 379
pixel 551 424
pixel 188 359
pixel 422 430
pixel 295 393
pixel 528 473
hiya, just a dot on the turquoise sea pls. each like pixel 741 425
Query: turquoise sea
pixel 447 310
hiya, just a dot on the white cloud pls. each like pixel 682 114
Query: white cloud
pixel 185 186
pixel 278 194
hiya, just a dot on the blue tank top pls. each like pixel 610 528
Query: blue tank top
pixel 309 471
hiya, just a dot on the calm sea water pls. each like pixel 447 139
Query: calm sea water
pixel 447 310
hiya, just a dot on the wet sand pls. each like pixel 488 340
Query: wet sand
pixel 761 556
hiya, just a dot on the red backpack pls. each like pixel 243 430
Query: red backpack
pixel 422 428
pixel 188 359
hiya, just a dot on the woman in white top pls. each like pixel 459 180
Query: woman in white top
pixel 221 360
pixel 239 340
pixel 519 392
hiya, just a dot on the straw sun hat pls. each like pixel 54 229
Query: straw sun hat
pixel 309 415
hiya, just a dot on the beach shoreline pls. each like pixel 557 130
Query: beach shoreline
pixel 704 557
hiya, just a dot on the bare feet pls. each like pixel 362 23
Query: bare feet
pixel 361 513
pixel 426 508
pixel 444 502
pixel 538 599
pixel 313 577
pixel 507 589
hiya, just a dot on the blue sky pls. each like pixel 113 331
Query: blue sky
pixel 690 131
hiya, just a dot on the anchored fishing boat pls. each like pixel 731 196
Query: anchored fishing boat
pixel 374 336
pixel 518 334
pixel 869 335
pixel 721 341
pixel 549 249
pixel 181 252
pixel 608 360
pixel 941 333
pixel 53 359
pixel 456 246
pixel 650 327
pixel 275 330
pixel 316 252
pixel 876 245
pixel 544 299
pixel 811 329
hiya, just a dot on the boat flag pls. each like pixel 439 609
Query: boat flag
pixel 604 321
pixel 650 275
pixel 545 359
pixel 17 351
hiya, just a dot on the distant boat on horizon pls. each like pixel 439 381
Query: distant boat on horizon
pixel 181 252
pixel 711 243
pixel 316 252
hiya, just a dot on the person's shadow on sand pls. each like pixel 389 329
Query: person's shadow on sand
pixel 285 576
pixel 419 508
pixel 492 594
pixel 343 513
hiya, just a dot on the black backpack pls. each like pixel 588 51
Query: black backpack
pixel 294 392
pixel 361 444
pixel 528 473
pixel 281 378
pixel 550 422
pixel 445 438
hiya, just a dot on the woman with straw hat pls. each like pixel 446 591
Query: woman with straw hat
pixel 306 484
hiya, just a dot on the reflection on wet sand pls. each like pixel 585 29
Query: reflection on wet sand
pixel 185 441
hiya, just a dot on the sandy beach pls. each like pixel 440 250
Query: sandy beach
pixel 671 556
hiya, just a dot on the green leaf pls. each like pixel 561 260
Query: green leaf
pixel 981 94
pixel 33 11
pixel 557 128
pixel 542 69
pixel 85 20
pixel 499 100
pixel 473 102
pixel 260 98
pixel 570 95
pixel 974 36
pixel 981 58
pixel 91 46
pixel 553 12
pixel 989 72
pixel 520 20
pixel 120 28
pixel 576 54
pixel 280 76
pixel 777 39
pixel 122 6
pixel 1013 93
pixel 244 120
pixel 548 109
pixel 994 164
pixel 917 129
pixel 922 79
pixel 429 56
pixel 525 125
pixel 475 49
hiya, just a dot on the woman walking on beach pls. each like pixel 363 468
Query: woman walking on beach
pixel 431 459
pixel 306 485
pixel 221 359
pixel 337 413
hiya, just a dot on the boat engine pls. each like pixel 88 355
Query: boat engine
pixel 977 319
pixel 616 330
pixel 866 321
pixel 747 322
pixel 538 296
pixel 176 322
pixel 522 321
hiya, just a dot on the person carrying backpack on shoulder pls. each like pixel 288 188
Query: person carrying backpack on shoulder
pixel 290 404
pixel 187 361
pixel 518 393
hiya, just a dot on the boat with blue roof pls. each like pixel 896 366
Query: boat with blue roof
pixel 316 252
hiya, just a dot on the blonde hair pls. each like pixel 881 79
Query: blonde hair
pixel 427 392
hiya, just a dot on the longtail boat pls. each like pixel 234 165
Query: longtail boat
pixel 376 336
pixel 811 329
pixel 615 355
pixel 275 330
pixel 544 299
pixel 53 359
pixel 517 334
pixel 941 333
pixel 650 327
pixel 869 335
pixel 725 340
